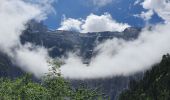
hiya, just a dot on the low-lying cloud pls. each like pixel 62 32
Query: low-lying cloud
pixel 14 15
pixel 115 56
pixel 120 57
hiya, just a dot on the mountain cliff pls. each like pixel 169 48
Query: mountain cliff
pixel 59 43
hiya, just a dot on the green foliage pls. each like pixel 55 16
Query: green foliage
pixel 155 84
pixel 52 87
pixel 83 93
pixel 21 88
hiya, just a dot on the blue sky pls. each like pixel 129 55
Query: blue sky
pixel 120 10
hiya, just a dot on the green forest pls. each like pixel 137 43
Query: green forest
pixel 155 84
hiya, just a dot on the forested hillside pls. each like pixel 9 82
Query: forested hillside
pixel 155 84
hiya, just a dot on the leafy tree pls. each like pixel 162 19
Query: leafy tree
pixel 60 89
pixel 21 88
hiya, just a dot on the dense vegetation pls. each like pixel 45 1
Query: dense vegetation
pixel 155 84
pixel 51 87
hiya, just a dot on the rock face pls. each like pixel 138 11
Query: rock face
pixel 61 42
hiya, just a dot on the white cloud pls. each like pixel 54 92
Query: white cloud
pixel 14 14
pixel 101 3
pixel 70 24
pixel 93 23
pixel 161 7
pixel 145 15
pixel 137 2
